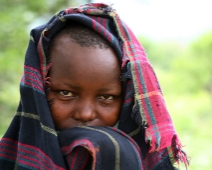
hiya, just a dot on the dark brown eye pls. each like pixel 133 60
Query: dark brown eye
pixel 106 97
pixel 66 93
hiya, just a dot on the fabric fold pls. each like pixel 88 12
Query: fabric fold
pixel 108 148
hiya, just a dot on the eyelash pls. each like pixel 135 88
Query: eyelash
pixel 62 91
pixel 102 97
pixel 106 97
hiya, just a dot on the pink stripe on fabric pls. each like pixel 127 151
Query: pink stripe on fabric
pixel 29 153
pixel 33 80
pixel 29 164
pixel 36 77
pixel 104 23
pixel 93 23
pixel 32 85
pixel 74 158
pixel 84 162
pixel 33 69
pixel 6 156
pixel 28 77
pixel 128 100
pixel 99 21
pixel 82 142
pixel 8 145
pixel 40 156
pixel 33 160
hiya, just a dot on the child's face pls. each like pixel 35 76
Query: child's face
pixel 85 85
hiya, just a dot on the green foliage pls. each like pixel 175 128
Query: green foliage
pixel 161 54
pixel 201 51
pixel 16 18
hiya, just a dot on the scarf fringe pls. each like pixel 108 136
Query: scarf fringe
pixel 176 153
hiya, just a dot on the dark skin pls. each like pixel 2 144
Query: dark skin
pixel 85 87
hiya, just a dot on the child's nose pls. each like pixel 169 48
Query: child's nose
pixel 85 112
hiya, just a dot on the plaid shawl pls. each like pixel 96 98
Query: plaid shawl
pixel 100 148
pixel 31 141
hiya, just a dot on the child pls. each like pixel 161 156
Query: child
pixel 84 73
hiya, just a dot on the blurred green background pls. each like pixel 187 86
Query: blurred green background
pixel 184 72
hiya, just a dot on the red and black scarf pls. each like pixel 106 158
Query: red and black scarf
pixel 145 137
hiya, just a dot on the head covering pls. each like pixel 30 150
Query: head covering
pixel 31 141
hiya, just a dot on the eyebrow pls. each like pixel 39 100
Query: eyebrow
pixel 104 89
pixel 107 89
pixel 69 85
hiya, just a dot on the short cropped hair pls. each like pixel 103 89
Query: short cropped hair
pixel 82 36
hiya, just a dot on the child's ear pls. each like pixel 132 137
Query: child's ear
pixel 47 79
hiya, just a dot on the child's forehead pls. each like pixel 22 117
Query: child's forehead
pixel 79 66
pixel 82 35
pixel 88 37
pixel 70 55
